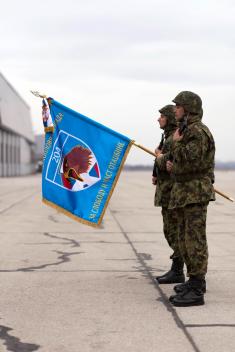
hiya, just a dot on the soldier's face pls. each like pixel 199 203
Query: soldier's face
pixel 162 121
pixel 179 112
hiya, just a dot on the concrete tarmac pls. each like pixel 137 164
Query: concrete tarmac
pixel 66 287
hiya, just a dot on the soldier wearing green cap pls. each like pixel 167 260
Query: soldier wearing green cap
pixel 192 169
pixel 163 181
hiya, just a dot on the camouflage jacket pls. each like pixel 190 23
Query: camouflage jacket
pixel 193 165
pixel 164 180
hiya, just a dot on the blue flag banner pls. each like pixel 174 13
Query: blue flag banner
pixel 82 162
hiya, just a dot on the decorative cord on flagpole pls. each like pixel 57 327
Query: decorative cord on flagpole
pixel 216 190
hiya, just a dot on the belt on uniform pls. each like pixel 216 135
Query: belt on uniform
pixel 164 176
pixel 189 177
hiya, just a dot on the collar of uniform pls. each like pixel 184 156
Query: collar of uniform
pixel 194 118
pixel 169 130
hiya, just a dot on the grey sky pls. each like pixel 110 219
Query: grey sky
pixel 120 61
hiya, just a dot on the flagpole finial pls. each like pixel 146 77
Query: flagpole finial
pixel 37 94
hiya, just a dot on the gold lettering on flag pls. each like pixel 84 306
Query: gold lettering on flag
pixel 106 180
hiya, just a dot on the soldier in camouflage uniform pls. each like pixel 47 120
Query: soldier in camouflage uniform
pixel 162 180
pixel 192 168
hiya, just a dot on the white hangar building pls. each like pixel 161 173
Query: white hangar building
pixel 16 133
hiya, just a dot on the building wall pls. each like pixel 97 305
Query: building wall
pixel 26 157
pixel 14 112
pixel 16 155
pixel 16 135
pixel 9 154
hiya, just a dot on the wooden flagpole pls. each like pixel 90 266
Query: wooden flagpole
pixel 37 94
pixel 222 194
pixel 145 149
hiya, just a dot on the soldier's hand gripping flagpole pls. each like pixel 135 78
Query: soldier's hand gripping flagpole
pixel 222 194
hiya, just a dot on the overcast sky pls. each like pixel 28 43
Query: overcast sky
pixel 118 62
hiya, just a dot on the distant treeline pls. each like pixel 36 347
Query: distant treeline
pixel 219 165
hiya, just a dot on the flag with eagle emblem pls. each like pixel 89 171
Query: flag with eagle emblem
pixel 82 162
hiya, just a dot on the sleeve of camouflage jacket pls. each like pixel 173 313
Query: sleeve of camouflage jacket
pixel 188 156
pixel 161 162
pixel 154 174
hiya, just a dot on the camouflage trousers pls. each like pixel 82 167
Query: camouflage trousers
pixel 191 221
pixel 170 231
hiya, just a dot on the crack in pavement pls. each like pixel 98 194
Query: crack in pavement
pixel 74 243
pixel 86 242
pixel 163 298
pixel 63 258
pixel 13 343
pixel 116 232
pixel 14 191
pixel 18 202
pixel 53 219
pixel 209 325
pixel 146 256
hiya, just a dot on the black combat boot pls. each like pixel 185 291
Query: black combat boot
pixel 174 275
pixel 192 294
pixel 181 287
